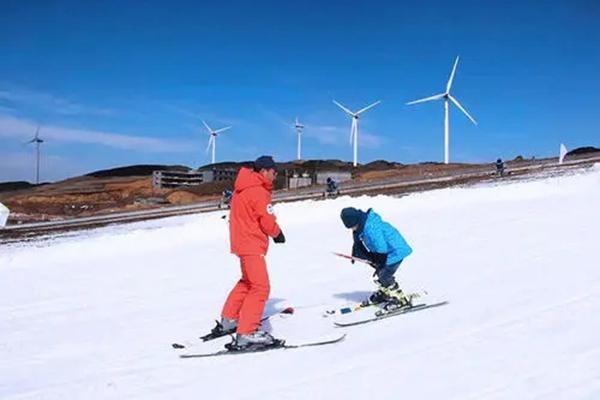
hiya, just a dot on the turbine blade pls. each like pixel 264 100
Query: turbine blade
pixel 352 130
pixel 362 110
pixel 430 98
pixel 207 127
pixel 343 108
pixel 449 84
pixel 222 129
pixel 211 139
pixel 462 109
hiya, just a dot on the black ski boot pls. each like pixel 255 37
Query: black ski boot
pixel 396 298
pixel 225 327
pixel 375 298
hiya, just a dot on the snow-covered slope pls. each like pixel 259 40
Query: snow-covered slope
pixel 92 316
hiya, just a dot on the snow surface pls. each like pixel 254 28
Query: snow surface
pixel 92 315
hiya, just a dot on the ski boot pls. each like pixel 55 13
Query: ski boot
pixel 225 327
pixel 377 297
pixel 396 298
pixel 256 341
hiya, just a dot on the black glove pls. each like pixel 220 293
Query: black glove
pixel 378 260
pixel 358 250
pixel 279 238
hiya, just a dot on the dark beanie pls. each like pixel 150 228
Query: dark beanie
pixel 264 162
pixel 351 216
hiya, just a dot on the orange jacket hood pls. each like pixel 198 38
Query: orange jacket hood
pixel 247 178
pixel 251 217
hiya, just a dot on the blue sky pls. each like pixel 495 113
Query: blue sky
pixel 118 83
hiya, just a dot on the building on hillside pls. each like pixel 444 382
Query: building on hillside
pixel 296 181
pixel 173 179
pixel 337 176
pixel 218 174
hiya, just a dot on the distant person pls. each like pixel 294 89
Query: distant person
pixel 499 167
pixel 252 222
pixel 226 198
pixel 380 243
pixel 331 186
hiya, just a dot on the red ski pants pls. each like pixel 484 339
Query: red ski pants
pixel 246 301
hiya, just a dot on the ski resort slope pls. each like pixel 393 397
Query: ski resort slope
pixel 92 316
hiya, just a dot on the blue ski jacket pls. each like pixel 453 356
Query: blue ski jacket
pixel 378 236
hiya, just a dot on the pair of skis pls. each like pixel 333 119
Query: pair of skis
pixel 278 344
pixel 211 336
pixel 383 314
pixel 281 344
pixel 365 305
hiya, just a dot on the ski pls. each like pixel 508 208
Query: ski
pixel 189 343
pixel 361 306
pixel 383 314
pixel 211 336
pixel 278 346
pixel 346 310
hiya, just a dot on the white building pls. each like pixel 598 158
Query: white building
pixel 337 176
pixel 3 215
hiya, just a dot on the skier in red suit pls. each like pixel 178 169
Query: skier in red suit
pixel 252 222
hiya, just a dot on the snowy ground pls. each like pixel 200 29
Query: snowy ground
pixel 92 316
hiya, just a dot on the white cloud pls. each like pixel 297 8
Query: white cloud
pixel 16 160
pixel 6 110
pixel 200 114
pixel 338 135
pixel 370 140
pixel 23 130
pixel 327 134
pixel 50 102
pixel 19 166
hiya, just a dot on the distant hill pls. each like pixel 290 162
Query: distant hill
pixel 310 166
pixel 225 165
pixel 136 170
pixel 298 164
pixel 6 186
pixel 313 165
pixel 583 150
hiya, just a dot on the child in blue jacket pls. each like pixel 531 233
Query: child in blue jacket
pixel 380 243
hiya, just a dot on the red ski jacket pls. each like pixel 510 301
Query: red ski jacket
pixel 251 219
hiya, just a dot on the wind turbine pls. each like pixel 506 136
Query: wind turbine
pixel 299 127
pixel 36 139
pixel 212 140
pixel 446 96
pixel 354 129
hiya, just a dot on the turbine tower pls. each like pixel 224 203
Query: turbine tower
pixel 212 139
pixel 36 139
pixel 354 128
pixel 446 96
pixel 299 127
